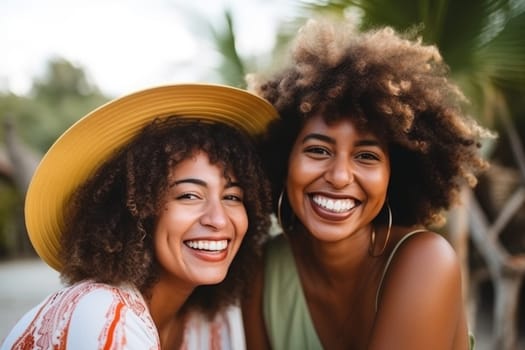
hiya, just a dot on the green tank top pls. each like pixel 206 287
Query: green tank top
pixel 285 311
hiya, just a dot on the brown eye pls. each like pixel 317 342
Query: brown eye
pixel 232 197
pixel 367 157
pixel 189 196
pixel 317 150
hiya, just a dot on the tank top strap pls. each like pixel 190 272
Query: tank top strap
pixel 399 243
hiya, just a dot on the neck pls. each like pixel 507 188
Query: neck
pixel 334 262
pixel 166 299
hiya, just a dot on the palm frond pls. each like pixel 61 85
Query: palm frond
pixel 482 41
pixel 231 69
pixel 503 57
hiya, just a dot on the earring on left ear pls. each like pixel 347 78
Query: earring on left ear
pixel 290 219
pixel 373 236
pixel 279 204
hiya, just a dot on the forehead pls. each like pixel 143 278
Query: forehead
pixel 343 124
pixel 200 163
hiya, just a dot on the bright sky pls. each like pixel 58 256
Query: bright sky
pixel 125 45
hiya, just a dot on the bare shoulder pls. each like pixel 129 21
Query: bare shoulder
pixel 421 304
pixel 428 247
pixel 424 263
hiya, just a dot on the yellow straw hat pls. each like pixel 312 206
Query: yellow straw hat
pixel 93 139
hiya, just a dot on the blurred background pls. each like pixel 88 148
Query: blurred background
pixel 62 58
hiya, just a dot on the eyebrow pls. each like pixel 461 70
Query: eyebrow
pixel 320 137
pixel 328 139
pixel 191 181
pixel 202 183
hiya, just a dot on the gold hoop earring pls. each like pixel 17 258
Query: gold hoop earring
pixel 373 236
pixel 279 204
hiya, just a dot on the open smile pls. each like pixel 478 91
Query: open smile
pixel 208 245
pixel 334 205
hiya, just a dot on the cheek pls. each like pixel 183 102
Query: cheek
pixel 295 187
pixel 172 222
pixel 379 178
pixel 240 227
pixel 243 225
pixel 240 221
pixel 377 182
pixel 300 172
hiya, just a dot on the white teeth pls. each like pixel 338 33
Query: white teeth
pixel 335 205
pixel 208 245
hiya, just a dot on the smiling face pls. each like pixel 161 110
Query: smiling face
pixel 201 225
pixel 337 178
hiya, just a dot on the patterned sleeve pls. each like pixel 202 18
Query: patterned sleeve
pixel 224 332
pixel 87 316
pixel 108 318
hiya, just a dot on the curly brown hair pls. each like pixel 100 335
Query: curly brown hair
pixel 110 222
pixel 392 85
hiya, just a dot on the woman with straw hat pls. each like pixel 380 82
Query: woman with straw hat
pixel 152 207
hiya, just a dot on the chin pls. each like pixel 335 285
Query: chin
pixel 211 278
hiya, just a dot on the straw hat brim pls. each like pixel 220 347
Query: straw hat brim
pixel 87 144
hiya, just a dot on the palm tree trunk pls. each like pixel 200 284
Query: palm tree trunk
pixel 507 290
pixel 458 232
pixel 506 271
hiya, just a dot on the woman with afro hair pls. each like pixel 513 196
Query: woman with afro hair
pixel 371 148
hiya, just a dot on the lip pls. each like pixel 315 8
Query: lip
pixel 343 202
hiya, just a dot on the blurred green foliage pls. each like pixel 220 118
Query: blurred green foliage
pixel 482 41
pixel 55 102
pixel 10 201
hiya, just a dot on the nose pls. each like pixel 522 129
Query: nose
pixel 339 174
pixel 214 215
